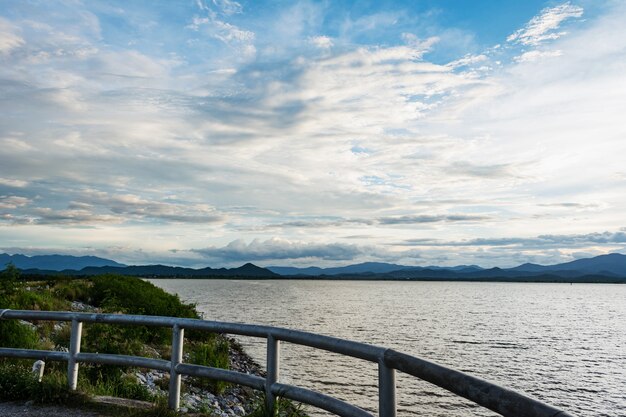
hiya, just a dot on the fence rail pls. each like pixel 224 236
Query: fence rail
pixel 501 400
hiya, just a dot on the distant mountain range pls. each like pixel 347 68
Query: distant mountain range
pixel 610 267
pixel 54 262
pixel 603 268
pixel 364 268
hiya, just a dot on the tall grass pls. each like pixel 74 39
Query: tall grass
pixel 214 354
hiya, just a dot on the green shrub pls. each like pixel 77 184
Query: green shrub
pixel 121 340
pixel 18 383
pixel 135 296
pixel 10 280
pixel 122 385
pixel 32 300
pixel 283 408
pixel 214 354
pixel 116 293
pixel 18 335
pixel 72 289
pixel 15 382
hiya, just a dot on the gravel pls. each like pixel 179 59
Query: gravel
pixel 21 409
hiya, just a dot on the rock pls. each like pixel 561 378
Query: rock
pixel 29 403
pixel 239 410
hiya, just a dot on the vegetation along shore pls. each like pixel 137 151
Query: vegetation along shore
pixel 117 294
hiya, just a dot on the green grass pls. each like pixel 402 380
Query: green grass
pixel 18 383
pixel 283 408
pixel 214 354
pixel 111 294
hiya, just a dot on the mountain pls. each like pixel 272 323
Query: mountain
pixel 248 270
pixel 604 268
pixel 611 264
pixel 363 268
pixel 54 262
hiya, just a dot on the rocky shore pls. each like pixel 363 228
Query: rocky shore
pixel 234 401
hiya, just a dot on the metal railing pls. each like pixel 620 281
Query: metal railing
pixel 501 400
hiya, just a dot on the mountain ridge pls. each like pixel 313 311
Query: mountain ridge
pixel 54 262
pixel 610 265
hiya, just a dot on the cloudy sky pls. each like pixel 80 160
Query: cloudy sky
pixel 313 133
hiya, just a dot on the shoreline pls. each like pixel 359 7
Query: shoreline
pixel 530 280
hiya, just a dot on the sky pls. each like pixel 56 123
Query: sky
pixel 297 133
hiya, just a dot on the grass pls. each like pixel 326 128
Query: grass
pixel 18 383
pixel 214 354
pixel 283 408
pixel 115 294
pixel 110 293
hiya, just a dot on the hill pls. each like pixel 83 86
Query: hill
pixel 54 262
pixel 155 271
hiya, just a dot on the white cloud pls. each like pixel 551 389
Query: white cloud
pixel 228 7
pixel 321 42
pixel 240 39
pixel 468 60
pixel 9 38
pixel 535 55
pixel 13 202
pixel 308 147
pixel 543 26
pixel 421 46
pixel 10 182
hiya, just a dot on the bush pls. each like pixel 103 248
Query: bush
pixel 283 408
pixel 18 383
pixel 31 300
pixel 135 296
pixel 214 354
pixel 122 385
pixel 116 293
pixel 14 334
pixel 72 289
pixel 10 280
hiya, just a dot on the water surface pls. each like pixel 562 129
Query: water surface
pixel 560 343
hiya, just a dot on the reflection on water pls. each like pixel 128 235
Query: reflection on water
pixel 560 343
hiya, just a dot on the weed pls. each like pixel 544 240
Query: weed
pixel 214 354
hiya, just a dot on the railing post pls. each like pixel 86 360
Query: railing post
pixel 72 365
pixel 178 335
pixel 272 365
pixel 386 390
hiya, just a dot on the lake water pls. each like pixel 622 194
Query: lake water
pixel 563 344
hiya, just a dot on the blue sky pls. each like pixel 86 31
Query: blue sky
pixel 313 133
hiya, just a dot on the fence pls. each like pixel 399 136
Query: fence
pixel 501 400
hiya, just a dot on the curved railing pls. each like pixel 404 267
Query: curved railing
pixel 501 400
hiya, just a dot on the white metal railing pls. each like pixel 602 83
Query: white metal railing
pixel 501 400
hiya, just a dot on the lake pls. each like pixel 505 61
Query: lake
pixel 560 343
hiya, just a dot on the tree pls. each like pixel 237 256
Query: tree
pixel 9 279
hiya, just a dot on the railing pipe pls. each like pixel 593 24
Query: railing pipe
pixel 124 360
pixel 178 334
pixel 501 400
pixel 272 366
pixel 319 400
pixel 234 377
pixel 44 355
pixel 72 363
pixel 386 390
